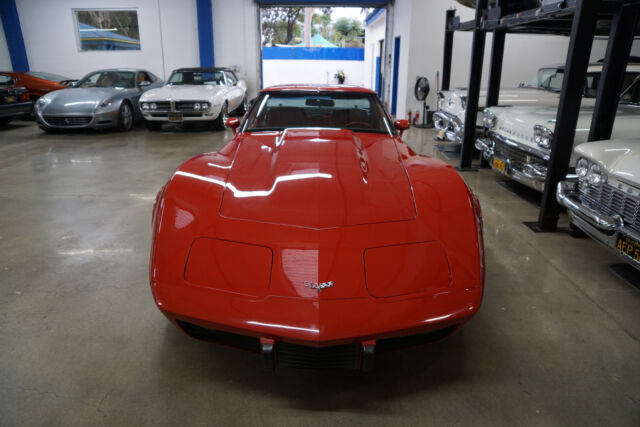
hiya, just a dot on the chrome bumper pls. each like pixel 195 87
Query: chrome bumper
pixel 533 175
pixel 449 127
pixel 601 227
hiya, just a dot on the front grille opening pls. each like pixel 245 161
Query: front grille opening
pixel 339 357
pixel 390 344
pixel 227 338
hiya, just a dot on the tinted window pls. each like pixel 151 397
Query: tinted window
pixel 108 79
pixel 359 112
pixel 231 78
pixel 196 78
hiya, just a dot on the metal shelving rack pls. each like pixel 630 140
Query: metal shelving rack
pixel 581 20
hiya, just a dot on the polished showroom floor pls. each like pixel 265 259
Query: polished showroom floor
pixel 556 342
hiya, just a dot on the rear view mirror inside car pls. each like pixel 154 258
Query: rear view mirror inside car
pixel 320 102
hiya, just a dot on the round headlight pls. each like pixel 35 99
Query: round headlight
pixel 489 119
pixel 542 136
pixel 196 105
pixel 205 105
pixel 595 175
pixel 582 167
pixel 145 106
pixel 153 106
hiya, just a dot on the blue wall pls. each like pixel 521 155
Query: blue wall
pixel 13 34
pixel 314 53
pixel 205 33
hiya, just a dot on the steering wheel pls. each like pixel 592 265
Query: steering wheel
pixel 366 125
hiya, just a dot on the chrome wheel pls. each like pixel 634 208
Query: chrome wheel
pixel 126 116
pixel 225 115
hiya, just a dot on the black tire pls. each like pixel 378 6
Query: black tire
pixel 4 122
pixel 220 123
pixel 153 125
pixel 125 116
pixel 242 108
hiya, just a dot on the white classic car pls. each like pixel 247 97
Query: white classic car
pixel 604 201
pixel 542 91
pixel 195 95
pixel 517 140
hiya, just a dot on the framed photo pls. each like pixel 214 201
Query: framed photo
pixel 107 29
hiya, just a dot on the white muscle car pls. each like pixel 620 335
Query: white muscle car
pixel 517 140
pixel 542 91
pixel 604 200
pixel 195 95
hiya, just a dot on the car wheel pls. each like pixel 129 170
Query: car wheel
pixel 4 122
pixel 125 116
pixel 153 125
pixel 242 109
pixel 220 123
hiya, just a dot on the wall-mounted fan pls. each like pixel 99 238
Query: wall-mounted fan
pixel 421 91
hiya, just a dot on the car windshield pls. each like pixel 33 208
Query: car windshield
pixel 47 76
pixel 5 80
pixel 548 79
pixel 196 78
pixel 124 79
pixel 360 112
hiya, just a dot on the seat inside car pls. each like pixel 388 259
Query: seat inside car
pixel 285 117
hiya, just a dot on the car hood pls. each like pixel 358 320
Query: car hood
pixel 77 100
pixel 318 178
pixel 181 92
pixel 619 157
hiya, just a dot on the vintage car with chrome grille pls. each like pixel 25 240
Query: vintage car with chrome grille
pixel 517 141
pixel 100 100
pixel 316 237
pixel 604 199
pixel 543 90
pixel 191 95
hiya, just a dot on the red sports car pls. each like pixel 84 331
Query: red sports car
pixel 316 237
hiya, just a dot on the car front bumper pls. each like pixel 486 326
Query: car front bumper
pixel 315 333
pixel 173 115
pixel 514 160
pixel 608 228
pixel 17 109
pixel 101 120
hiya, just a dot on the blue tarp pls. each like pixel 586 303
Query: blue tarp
pixel 317 41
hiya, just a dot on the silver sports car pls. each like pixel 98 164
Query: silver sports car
pixel 102 99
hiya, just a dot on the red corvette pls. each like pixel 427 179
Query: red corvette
pixel 316 237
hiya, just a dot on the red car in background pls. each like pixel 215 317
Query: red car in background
pixel 38 83
pixel 316 237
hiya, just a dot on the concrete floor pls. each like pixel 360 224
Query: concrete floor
pixel 555 343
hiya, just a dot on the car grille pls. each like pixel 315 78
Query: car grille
pixel 334 358
pixel 163 106
pixel 67 120
pixel 186 105
pixel 505 151
pixel 611 200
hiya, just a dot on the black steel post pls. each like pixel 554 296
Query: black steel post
pixel 448 49
pixel 495 69
pixel 582 33
pixel 621 35
pixel 473 90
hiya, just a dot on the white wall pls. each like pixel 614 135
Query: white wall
pixel 373 33
pixel 5 59
pixel 237 39
pixel 50 36
pixel 285 71
pixel 524 54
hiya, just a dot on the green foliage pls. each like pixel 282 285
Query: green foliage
pixel 347 32
pixel 281 24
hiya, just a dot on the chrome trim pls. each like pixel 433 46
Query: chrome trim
pixel 535 171
pixel 536 152
pixel 567 196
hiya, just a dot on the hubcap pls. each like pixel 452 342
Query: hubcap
pixel 126 115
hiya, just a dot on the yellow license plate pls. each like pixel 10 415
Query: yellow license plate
pixel 628 246
pixel 498 164
pixel 175 117
pixel 9 99
pixel 441 133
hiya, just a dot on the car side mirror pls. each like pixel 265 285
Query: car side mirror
pixel 233 123
pixel 402 125
pixel 144 83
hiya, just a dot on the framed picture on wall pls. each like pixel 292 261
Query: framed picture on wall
pixel 107 29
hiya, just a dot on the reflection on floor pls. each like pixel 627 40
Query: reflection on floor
pixel 556 341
